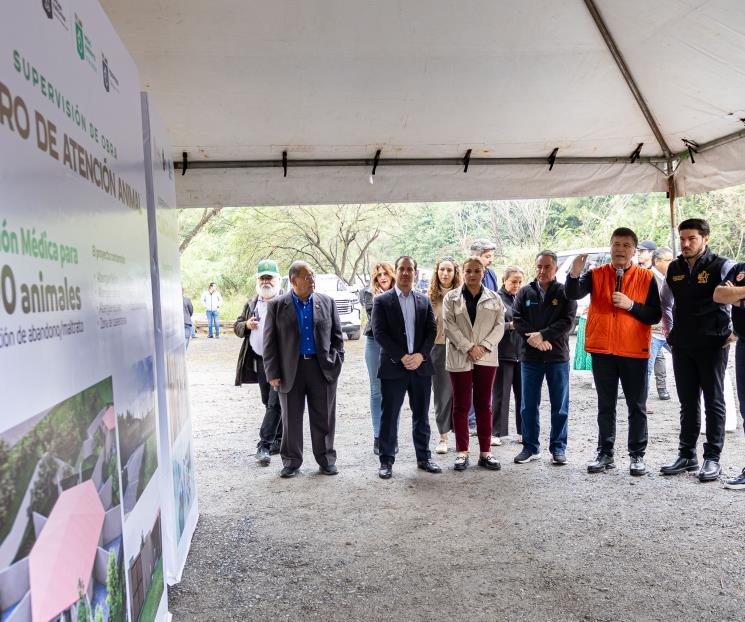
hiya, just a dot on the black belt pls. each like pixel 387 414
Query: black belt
pixel 307 356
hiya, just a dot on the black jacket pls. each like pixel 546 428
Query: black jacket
pixel 553 318
pixel 366 299
pixel 698 321
pixel 511 345
pixel 245 372
pixel 390 333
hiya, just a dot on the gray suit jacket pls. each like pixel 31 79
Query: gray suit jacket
pixel 282 339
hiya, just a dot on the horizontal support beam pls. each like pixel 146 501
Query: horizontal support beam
pixel 717 142
pixel 368 162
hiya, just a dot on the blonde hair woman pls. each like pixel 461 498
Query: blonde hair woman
pixel 445 277
pixel 510 354
pixel 474 325
pixel 382 278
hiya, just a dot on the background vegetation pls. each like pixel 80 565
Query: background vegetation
pixel 224 245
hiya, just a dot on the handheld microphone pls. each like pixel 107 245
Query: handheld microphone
pixel 619 277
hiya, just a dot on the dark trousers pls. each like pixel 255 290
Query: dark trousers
pixel 476 383
pixel 697 371
pixel 508 379
pixel 311 386
pixel 608 369
pixel 394 391
pixel 271 425
pixel 740 375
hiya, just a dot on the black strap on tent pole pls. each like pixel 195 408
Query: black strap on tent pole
pixel 692 147
pixel 636 153
pixel 284 162
pixel 466 160
pixel 376 160
pixel 184 162
pixel 552 158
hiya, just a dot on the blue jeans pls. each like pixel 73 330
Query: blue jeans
pixel 212 322
pixel 654 350
pixel 740 374
pixel 187 334
pixel 372 359
pixel 557 379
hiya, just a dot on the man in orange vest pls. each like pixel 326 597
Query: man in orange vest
pixel 625 303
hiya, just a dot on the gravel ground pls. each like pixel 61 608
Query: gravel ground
pixel 528 542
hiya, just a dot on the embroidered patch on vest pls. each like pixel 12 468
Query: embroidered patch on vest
pixel 703 277
pixel 555 302
pixel 678 277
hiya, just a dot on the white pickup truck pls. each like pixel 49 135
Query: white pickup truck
pixel 350 310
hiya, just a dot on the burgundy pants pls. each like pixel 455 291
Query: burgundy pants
pixel 477 383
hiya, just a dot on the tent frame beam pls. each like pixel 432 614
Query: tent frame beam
pixel 628 76
pixel 381 162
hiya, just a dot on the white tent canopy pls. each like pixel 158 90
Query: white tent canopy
pixel 332 82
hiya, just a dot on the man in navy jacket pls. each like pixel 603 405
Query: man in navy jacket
pixel 405 328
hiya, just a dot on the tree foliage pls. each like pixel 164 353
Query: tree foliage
pixel 347 239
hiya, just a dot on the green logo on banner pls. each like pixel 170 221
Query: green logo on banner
pixel 79 41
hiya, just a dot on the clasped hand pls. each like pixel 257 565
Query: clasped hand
pixel 537 341
pixel 476 353
pixel 412 361
pixel 252 323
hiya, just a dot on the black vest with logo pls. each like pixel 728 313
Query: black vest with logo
pixel 698 321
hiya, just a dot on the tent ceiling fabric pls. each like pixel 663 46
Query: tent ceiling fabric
pixel 321 79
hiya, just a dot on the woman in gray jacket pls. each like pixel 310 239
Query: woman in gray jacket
pixel 474 324
pixel 445 277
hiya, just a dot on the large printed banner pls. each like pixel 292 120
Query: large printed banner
pixel 80 516
pixel 179 500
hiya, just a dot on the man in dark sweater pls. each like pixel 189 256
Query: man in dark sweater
pixel 543 317
pixel 698 330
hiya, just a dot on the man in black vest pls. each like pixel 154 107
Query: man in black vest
pixel 732 291
pixel 699 331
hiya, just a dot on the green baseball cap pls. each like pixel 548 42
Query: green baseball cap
pixel 267 266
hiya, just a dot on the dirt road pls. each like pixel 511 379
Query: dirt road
pixel 530 542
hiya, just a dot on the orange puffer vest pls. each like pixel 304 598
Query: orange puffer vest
pixel 611 330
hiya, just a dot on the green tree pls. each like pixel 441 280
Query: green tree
pixel 114 589
pixel 82 611
pixel 44 492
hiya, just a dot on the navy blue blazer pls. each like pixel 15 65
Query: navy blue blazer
pixel 389 331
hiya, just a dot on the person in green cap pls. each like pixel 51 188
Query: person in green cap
pixel 250 327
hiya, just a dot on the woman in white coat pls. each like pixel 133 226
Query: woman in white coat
pixel 474 324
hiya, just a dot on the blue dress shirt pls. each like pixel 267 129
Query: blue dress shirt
pixel 408 308
pixel 305 320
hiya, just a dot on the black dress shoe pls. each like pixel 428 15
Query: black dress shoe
pixel 663 394
pixel 603 462
pixel 681 465
pixel 709 471
pixel 385 471
pixel 329 469
pixel 262 456
pixel 489 462
pixel 637 466
pixel 289 472
pixel 376 446
pixel 429 466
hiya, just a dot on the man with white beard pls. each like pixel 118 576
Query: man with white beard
pixel 250 326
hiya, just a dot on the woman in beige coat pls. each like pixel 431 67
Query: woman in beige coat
pixel 474 323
